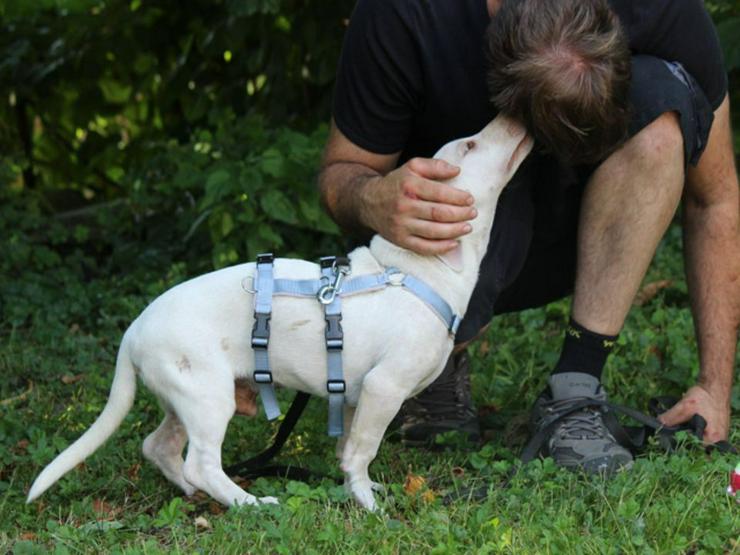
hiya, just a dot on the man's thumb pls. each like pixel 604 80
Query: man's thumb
pixel 677 414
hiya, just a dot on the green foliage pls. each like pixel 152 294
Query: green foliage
pixel 192 131
pixel 146 141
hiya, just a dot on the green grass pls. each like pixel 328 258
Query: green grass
pixel 117 503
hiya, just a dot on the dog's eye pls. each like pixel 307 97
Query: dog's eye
pixel 470 145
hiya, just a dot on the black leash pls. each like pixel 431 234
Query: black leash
pixel 258 465
pixel 634 438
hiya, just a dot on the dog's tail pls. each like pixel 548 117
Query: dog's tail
pixel 119 403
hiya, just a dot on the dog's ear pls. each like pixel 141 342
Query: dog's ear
pixel 453 259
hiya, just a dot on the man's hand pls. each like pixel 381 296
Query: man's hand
pixel 713 408
pixel 411 208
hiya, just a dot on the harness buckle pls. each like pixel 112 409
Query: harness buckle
pixel 334 334
pixel 336 386
pixel 262 376
pixel 265 258
pixel 340 268
pixel 261 330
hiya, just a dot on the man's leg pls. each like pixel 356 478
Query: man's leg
pixel 626 208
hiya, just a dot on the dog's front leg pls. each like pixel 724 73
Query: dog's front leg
pixel 380 400
pixel 349 414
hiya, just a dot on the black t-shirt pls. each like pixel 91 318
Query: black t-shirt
pixel 412 74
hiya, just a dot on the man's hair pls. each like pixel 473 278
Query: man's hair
pixel 563 68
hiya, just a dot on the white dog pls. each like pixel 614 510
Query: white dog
pixel 193 342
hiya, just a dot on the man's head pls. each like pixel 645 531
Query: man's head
pixel 563 68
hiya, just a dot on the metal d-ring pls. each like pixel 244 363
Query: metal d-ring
pixel 252 290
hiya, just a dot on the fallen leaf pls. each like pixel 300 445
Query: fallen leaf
pixel 28 536
pixel 413 483
pixel 202 523
pixel 484 348
pixel 487 410
pixel 68 379
pixel 428 496
pixel 133 472
pixel 657 352
pixel 105 510
pixel 647 293
pixel 458 472
pixel 215 509
pixel 243 483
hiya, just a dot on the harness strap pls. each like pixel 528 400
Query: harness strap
pixel 435 302
pixel 335 384
pixel 261 335
pixel 374 282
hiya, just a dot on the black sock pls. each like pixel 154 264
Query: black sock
pixel 584 351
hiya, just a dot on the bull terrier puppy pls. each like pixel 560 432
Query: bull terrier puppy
pixel 192 343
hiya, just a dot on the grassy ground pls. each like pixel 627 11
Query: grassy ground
pixel 118 503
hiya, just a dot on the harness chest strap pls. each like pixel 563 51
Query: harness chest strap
pixel 375 282
pixel 335 384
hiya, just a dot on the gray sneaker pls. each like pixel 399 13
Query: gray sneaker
pixel 446 405
pixel 580 440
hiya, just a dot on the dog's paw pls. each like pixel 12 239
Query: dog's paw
pixel 269 500
pixel 377 487
pixel 187 489
pixel 364 496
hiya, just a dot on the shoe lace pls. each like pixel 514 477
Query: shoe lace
pixel 586 423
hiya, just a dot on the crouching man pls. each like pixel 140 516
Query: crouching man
pixel 627 100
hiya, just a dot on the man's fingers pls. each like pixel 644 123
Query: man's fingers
pixel 429 247
pixel 443 213
pixel 441 193
pixel 431 168
pixel 435 230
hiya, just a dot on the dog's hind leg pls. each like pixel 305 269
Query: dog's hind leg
pixel 206 415
pixel 163 447
pixel 379 402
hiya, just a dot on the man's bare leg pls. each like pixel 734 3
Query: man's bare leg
pixel 627 206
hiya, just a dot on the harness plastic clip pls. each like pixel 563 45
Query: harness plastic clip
pixel 334 333
pixel 261 330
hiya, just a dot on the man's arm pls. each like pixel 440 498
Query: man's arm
pixel 712 257
pixel 407 205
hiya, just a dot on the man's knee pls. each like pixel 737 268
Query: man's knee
pixel 660 142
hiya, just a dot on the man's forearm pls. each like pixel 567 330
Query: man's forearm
pixel 712 247
pixel 712 255
pixel 342 186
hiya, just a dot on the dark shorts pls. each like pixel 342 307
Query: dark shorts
pixel 531 259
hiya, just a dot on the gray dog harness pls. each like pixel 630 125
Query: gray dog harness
pixel 328 290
